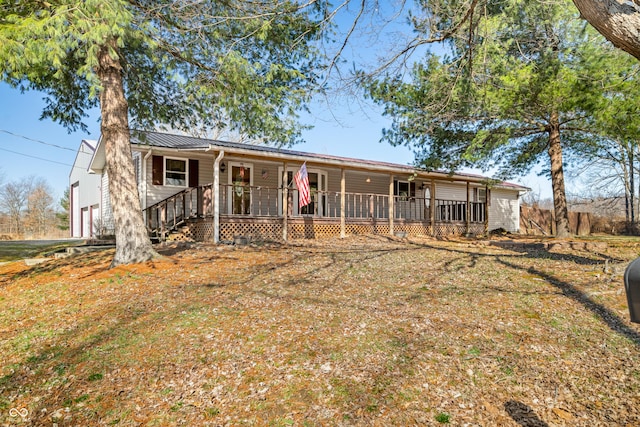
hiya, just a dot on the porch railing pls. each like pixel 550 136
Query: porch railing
pixel 259 201
pixel 173 211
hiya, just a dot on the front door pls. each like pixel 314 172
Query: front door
pixel 240 189
pixel 317 187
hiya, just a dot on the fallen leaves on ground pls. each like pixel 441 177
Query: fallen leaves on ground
pixel 361 331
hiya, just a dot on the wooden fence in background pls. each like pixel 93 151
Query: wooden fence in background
pixel 536 221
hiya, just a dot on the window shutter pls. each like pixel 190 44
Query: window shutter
pixel 157 170
pixel 193 173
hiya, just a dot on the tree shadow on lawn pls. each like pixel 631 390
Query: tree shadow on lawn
pixel 611 319
pixel 523 414
pixel 336 258
pixel 99 260
pixel 76 361
pixel 469 258
pixel 86 360
pixel 58 352
pixel 56 361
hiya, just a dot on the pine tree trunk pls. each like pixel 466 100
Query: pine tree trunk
pixel 557 178
pixel 132 242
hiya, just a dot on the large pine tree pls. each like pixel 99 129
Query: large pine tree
pixel 517 83
pixel 243 65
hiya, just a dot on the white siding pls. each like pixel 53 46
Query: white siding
pixel 105 222
pixel 359 185
pixel 76 219
pixel 157 193
pixel 451 191
pixel 266 174
pixel 504 210
pixel 356 182
pixel 85 218
pixel 266 198
pixel 87 191
pixel 137 169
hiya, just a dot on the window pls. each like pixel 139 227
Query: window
pixel 175 172
pixel 404 189
pixel 482 195
pixel 478 194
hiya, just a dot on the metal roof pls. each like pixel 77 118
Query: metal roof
pixel 190 143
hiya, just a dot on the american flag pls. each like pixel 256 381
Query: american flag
pixel 302 182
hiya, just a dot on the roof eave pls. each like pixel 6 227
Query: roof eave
pixel 99 158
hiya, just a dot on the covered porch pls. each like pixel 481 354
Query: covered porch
pixel 223 211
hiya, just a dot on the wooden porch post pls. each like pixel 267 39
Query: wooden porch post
pixel 198 202
pixel 285 198
pixel 432 212
pixel 343 197
pixel 391 201
pixel 216 197
pixel 486 210
pixel 468 215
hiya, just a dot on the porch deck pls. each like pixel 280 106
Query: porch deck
pixel 257 212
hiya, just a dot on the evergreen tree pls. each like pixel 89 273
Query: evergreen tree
pixel 63 215
pixel 519 82
pixel 240 65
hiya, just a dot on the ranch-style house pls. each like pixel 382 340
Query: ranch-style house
pixel 203 189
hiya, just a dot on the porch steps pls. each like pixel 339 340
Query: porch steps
pixel 186 231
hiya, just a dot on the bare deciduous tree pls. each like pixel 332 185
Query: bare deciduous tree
pixel 13 201
pixel 40 216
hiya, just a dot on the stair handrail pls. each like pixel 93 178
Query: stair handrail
pixel 161 224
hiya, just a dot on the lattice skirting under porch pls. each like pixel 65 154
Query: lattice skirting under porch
pixel 315 231
pixel 271 229
pixel 253 231
pixel 296 229
pixel 411 229
pixel 452 229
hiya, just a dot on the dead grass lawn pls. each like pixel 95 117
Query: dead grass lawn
pixel 365 331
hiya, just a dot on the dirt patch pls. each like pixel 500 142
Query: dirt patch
pixel 361 331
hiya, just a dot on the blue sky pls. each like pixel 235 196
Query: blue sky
pixel 20 115
pixel 357 135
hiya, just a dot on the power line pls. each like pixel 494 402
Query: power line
pixel 35 157
pixel 36 140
